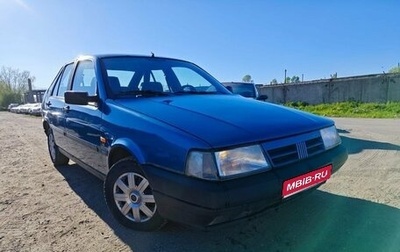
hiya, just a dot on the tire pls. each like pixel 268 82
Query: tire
pixel 130 198
pixel 56 156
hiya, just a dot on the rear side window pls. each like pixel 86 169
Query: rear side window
pixel 62 85
pixel 54 84
pixel 85 78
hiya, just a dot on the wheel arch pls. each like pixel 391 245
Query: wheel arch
pixel 46 127
pixel 123 148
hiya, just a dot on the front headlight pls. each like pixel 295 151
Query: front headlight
pixel 330 137
pixel 226 163
pixel 240 160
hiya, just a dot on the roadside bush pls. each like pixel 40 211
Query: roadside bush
pixel 352 109
pixel 8 96
pixel 297 104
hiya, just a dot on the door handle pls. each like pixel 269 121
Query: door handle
pixel 66 108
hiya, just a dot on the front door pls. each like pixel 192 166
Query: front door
pixel 83 122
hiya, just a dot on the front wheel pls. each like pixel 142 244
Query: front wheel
pixel 56 156
pixel 130 198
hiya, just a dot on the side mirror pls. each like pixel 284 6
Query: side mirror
pixel 262 97
pixel 78 97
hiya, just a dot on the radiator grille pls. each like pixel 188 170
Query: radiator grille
pixel 290 153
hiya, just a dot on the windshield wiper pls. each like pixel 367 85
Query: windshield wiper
pixel 194 92
pixel 144 93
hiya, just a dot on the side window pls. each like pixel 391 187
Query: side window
pixel 85 78
pixel 52 90
pixel 63 83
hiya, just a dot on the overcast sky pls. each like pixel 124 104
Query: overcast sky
pixel 228 38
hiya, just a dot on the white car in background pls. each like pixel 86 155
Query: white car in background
pixel 12 105
pixel 35 109
pixel 29 108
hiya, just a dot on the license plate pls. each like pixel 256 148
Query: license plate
pixel 305 181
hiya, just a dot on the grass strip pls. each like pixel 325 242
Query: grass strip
pixel 351 109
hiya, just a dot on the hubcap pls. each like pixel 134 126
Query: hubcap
pixel 134 197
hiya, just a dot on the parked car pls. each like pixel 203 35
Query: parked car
pixel 14 109
pixel 245 89
pixel 12 105
pixel 19 109
pixel 172 143
pixel 25 108
pixel 35 109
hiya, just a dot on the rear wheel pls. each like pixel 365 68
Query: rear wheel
pixel 56 156
pixel 130 198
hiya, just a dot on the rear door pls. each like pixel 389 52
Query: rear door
pixel 53 104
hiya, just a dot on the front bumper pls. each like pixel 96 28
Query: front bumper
pixel 201 203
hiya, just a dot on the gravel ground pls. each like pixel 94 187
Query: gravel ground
pixel 47 209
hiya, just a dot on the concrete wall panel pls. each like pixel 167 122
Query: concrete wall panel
pixel 369 88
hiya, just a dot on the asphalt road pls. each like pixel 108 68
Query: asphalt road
pixel 48 209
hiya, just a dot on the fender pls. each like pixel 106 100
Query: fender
pixel 130 146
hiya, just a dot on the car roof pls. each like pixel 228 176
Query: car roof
pixel 237 83
pixel 102 56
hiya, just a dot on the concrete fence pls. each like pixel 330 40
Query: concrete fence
pixel 368 88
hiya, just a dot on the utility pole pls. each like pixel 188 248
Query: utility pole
pixel 285 76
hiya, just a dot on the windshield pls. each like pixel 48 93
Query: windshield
pixel 142 76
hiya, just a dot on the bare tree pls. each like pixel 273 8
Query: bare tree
pixel 15 80
pixel 13 84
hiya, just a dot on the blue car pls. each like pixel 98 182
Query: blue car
pixel 173 144
pixel 245 89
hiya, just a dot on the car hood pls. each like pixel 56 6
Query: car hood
pixel 226 120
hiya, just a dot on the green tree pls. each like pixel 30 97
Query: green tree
pixel 274 81
pixel 8 96
pixel 295 79
pixel 247 78
pixel 395 70
pixel 287 80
